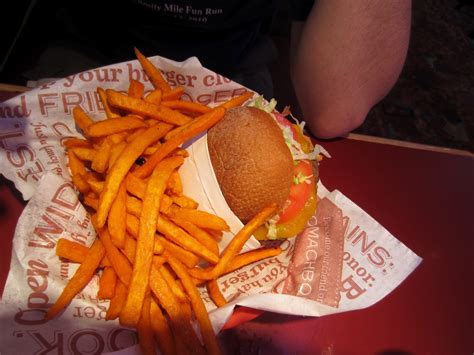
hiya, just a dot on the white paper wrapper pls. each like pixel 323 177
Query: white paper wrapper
pixel 344 260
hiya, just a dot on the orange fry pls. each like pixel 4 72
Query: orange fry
pixel 180 237
pixel 155 96
pixel 197 126
pixel 145 331
pixel 115 125
pixel 186 257
pixel 81 118
pixel 199 308
pixel 75 164
pixel 187 106
pixel 76 142
pixel 123 164
pixel 237 101
pixel 215 293
pixel 236 244
pixel 199 234
pixel 81 278
pixel 136 89
pixel 145 108
pixel 153 72
pixel 161 329
pixel 116 222
pixel 101 158
pixel 75 252
pixel 200 218
pixel 146 237
pixel 117 302
pixel 174 94
pixel 107 282
pixel 110 112
pixel 83 153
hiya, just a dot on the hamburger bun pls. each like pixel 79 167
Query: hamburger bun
pixel 251 161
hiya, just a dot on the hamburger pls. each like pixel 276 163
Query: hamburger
pixel 260 157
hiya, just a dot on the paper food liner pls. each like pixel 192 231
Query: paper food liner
pixel 344 260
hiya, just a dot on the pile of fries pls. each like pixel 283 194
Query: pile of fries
pixel 154 247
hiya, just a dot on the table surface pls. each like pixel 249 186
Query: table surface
pixel 425 198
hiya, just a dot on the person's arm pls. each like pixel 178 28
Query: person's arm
pixel 349 56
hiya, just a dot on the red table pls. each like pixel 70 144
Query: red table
pixel 425 198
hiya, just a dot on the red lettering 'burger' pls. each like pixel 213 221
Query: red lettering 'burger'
pixel 259 157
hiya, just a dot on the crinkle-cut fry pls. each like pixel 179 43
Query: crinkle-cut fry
pixel 171 281
pixel 198 233
pixel 146 339
pixel 187 106
pixel 119 261
pixel 116 223
pixel 185 201
pixel 75 252
pixel 237 101
pixel 107 282
pixel 122 165
pixel 185 256
pixel 161 329
pixel 135 89
pixel 81 278
pixel 200 218
pixel 75 164
pixel 198 126
pixel 182 238
pixel 153 72
pixel 155 96
pixel 115 125
pixel 83 153
pixel 146 109
pixel 82 119
pixel 110 112
pixel 174 94
pixel 199 308
pixel 76 142
pixel 146 238
pixel 215 293
pixel 236 244
pixel 117 302
pixel 180 323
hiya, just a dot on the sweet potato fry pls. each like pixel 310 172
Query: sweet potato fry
pixel 80 183
pixel 92 202
pixel 136 89
pixel 185 202
pixel 155 96
pixel 100 162
pixel 215 293
pixel 180 237
pixel 110 112
pixel 115 152
pixel 199 234
pixel 198 126
pixel 145 331
pixel 83 153
pixel 117 302
pixel 119 261
pixel 146 237
pixel 161 329
pixel 107 282
pixel 174 94
pixel 200 311
pixel 135 186
pixel 153 72
pixel 201 219
pixel 81 278
pixel 237 101
pixel 123 164
pixel 75 164
pixel 236 244
pixel 186 257
pixel 180 324
pixel 115 125
pixel 171 281
pixel 146 109
pixel 83 121
pixel 75 252
pixel 96 186
pixel 174 185
pixel 187 106
pixel 116 222
pixel 76 142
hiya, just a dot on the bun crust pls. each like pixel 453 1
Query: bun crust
pixel 251 161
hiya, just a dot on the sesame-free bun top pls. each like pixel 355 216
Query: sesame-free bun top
pixel 251 161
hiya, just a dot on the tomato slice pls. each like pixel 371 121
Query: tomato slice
pixel 301 189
